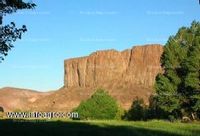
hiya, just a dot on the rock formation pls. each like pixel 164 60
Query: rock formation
pixel 138 66
pixel 125 75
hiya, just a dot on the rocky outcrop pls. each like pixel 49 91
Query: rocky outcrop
pixel 137 66
pixel 125 75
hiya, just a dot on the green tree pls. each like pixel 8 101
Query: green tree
pixel 1 109
pixel 137 111
pixel 192 78
pixel 10 33
pixel 154 110
pixel 99 106
pixel 177 88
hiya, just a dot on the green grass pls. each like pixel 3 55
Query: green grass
pixel 96 128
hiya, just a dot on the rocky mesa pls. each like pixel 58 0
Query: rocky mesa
pixel 137 66
pixel 125 75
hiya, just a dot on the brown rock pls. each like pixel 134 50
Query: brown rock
pixel 138 66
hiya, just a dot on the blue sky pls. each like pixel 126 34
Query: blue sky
pixel 58 30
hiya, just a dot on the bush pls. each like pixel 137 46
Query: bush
pixel 1 109
pixel 120 113
pixel 99 106
pixel 154 111
pixel 137 111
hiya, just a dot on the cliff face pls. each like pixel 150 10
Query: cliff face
pixel 137 66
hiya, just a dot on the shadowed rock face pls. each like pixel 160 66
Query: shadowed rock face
pixel 125 75
pixel 137 66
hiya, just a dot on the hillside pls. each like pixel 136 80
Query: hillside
pixel 15 99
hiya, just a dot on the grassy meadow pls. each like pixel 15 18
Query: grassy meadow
pixel 97 128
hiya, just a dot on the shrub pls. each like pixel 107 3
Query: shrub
pixel 99 106
pixel 154 111
pixel 1 109
pixel 137 111
pixel 120 113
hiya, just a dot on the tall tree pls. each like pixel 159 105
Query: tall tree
pixel 192 77
pixel 9 33
pixel 180 61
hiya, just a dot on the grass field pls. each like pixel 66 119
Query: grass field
pixel 96 128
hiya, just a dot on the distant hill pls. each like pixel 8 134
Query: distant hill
pixel 12 99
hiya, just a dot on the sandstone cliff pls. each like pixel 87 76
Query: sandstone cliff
pixel 138 66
